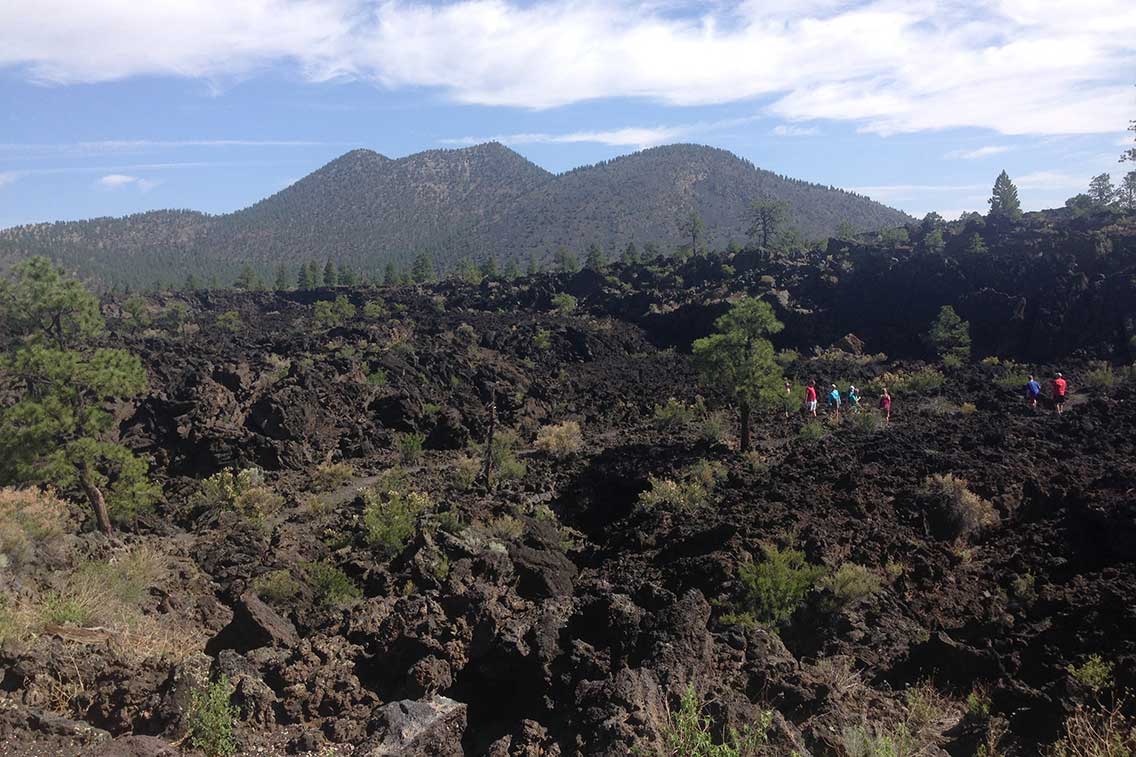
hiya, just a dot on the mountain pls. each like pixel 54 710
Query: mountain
pixel 365 209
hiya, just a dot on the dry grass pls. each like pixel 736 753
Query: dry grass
pixel 29 517
pixel 560 440
pixel 961 511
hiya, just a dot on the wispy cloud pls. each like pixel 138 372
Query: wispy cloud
pixel 792 130
pixel 978 153
pixel 8 177
pixel 1056 180
pixel 1016 67
pixel 627 137
pixel 119 181
pixel 893 192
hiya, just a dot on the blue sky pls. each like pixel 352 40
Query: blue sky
pixel 109 107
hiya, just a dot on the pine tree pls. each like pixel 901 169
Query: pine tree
pixel 630 254
pixel 390 274
pixel 1101 191
pixel 1126 194
pixel 489 267
pixel 933 241
pixel 950 335
pixel 247 279
pixel 596 259
pixel 1004 199
pixel 566 261
pixel 1130 153
pixel 767 216
pixel 330 274
pixel 423 270
pixel 739 359
pixel 976 245
pixel 281 284
pixel 691 225
pixel 347 276
pixel 512 269
pixel 191 283
pixel 651 251
pixel 58 430
pixel 533 268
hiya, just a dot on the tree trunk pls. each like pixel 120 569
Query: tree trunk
pixel 98 503
pixel 744 445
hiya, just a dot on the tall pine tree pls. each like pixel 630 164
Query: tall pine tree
pixel 1004 201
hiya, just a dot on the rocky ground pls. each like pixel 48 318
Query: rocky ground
pixel 566 610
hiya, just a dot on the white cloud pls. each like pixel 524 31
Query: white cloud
pixel 981 152
pixel 116 180
pixel 791 130
pixel 9 177
pixel 892 192
pixel 1014 66
pixel 1051 180
pixel 627 137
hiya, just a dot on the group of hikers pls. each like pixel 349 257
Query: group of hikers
pixel 1059 388
pixel 835 400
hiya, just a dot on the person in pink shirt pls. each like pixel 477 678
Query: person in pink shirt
pixel 885 405
pixel 811 398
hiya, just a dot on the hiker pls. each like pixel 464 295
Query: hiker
pixel 1060 388
pixel 885 405
pixel 1033 391
pixel 788 396
pixel 811 398
pixel 834 400
pixel 853 398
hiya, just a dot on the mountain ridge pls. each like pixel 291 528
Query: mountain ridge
pixel 365 209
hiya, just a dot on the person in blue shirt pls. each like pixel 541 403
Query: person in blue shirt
pixel 834 400
pixel 1033 391
pixel 853 398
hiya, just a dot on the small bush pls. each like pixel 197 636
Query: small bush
pixel 330 476
pixel 390 518
pixel 465 335
pixel 542 340
pixel 331 314
pixel 674 415
pixel 560 440
pixel 978 704
pixel 1024 587
pixel 851 582
pixel 409 446
pixel 229 321
pixel 812 431
pixel 1014 377
pixel 878 740
pixel 375 310
pixel 564 303
pixel 376 377
pixel 276 587
pixel 1094 673
pixel 330 585
pixel 692 489
pixel 923 381
pixel 1100 731
pixel 244 492
pixel 1099 376
pixel 211 717
pixel 866 422
pixel 506 465
pixel 28 518
pixel 689 732
pixel 958 511
pixel 776 586
pixel 968 408
pixel 507 527
pixel 466 471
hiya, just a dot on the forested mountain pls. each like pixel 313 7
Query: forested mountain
pixel 365 210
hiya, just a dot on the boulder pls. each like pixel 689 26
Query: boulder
pixel 428 727
pixel 254 625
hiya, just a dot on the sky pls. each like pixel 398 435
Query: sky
pixel 111 107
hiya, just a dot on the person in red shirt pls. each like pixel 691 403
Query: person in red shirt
pixel 885 405
pixel 811 398
pixel 1060 389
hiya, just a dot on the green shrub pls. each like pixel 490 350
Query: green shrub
pixel 1098 731
pixel 812 431
pixel 409 446
pixel 244 492
pixel 506 465
pixel 851 582
pixel 878 741
pixel 691 489
pixel 1099 376
pixel 331 476
pixel 210 719
pixel 866 421
pixel 689 732
pixel 906 383
pixel 674 415
pixel 959 510
pixel 978 704
pixel 229 321
pixel 277 586
pixel 465 335
pixel 542 340
pixel 375 310
pixel 332 314
pixel 330 585
pixel 564 303
pixel 376 377
pixel 390 518
pixel 776 586
pixel 560 440
pixel 1014 376
pixel 1094 673
pixel 466 471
